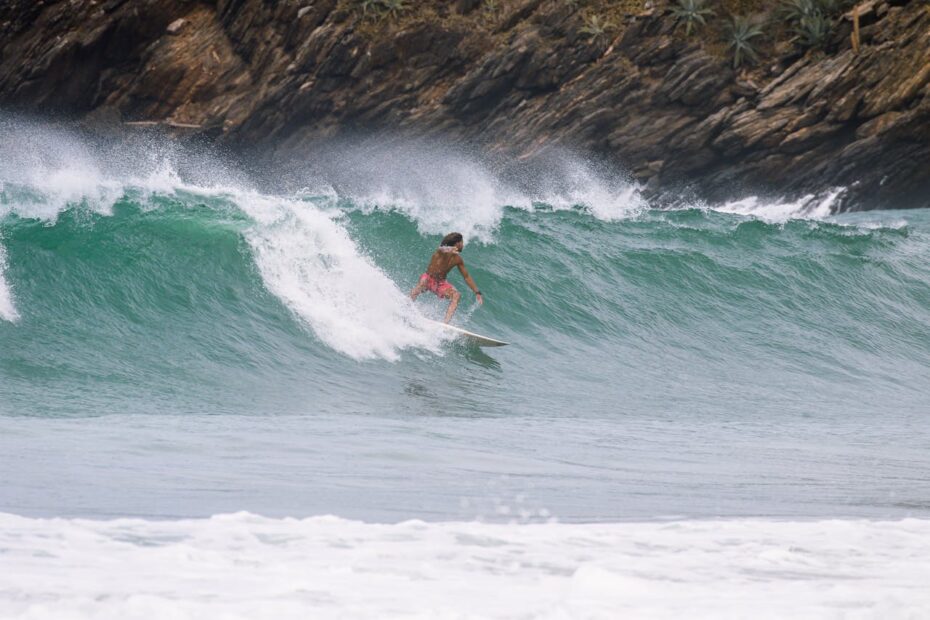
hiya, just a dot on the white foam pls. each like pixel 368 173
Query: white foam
pixel 605 196
pixel 441 199
pixel 443 190
pixel 806 207
pixel 308 261
pixel 244 566
pixel 47 170
pixel 7 309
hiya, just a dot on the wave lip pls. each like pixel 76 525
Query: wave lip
pixel 245 566
pixel 805 207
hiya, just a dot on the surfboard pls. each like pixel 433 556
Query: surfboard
pixel 471 337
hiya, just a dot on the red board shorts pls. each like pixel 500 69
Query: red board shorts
pixel 440 287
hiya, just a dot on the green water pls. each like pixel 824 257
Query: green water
pixel 165 298
pixel 174 349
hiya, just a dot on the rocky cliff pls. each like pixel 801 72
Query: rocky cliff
pixel 518 78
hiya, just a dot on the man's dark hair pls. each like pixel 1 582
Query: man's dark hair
pixel 451 239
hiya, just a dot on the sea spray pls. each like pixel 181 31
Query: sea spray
pixel 446 189
pixel 573 182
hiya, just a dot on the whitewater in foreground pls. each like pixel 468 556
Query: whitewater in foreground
pixel 246 566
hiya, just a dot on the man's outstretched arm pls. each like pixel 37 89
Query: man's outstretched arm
pixel 470 282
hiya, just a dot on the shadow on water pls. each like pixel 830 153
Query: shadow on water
pixel 462 383
pixel 475 354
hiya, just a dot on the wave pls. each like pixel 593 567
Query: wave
pixel 245 566
pixel 340 257
pixel 299 243
pixel 303 254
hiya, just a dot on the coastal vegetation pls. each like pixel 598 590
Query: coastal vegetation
pixel 750 29
pixel 744 30
pixel 595 27
pixel 741 31
pixel 691 14
pixel 379 9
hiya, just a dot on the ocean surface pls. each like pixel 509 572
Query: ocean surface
pixel 217 400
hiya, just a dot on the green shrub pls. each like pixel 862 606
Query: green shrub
pixel 811 20
pixel 813 30
pixel 378 9
pixel 595 27
pixel 370 7
pixel 394 7
pixel 691 13
pixel 796 10
pixel 740 31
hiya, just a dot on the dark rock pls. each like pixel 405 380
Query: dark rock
pixel 277 76
pixel 464 7
pixel 694 80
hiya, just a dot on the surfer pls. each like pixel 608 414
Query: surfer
pixel 442 262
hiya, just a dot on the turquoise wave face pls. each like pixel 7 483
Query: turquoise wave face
pixel 215 302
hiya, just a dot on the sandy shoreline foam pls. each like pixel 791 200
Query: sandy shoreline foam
pixel 246 566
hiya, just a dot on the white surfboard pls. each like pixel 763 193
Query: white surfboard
pixel 478 339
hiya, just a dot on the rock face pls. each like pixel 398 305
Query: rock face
pixel 522 81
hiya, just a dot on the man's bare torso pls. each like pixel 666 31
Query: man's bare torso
pixel 442 263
